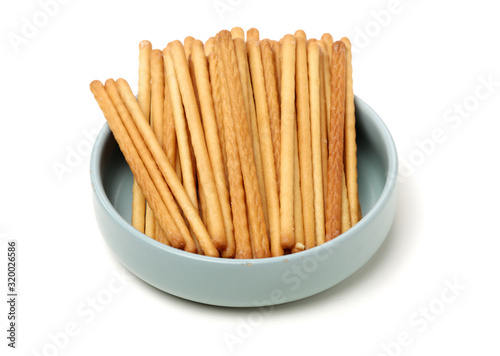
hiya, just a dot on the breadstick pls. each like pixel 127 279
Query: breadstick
pixel 183 148
pixel 214 82
pixel 324 127
pixel 169 140
pixel 133 158
pixel 214 214
pixel 327 79
pixel 328 41
pixel 187 45
pixel 247 90
pixel 287 139
pixel 150 226
pixel 253 34
pixel 237 32
pixel 157 93
pixel 177 225
pixel 190 212
pixel 317 162
pixel 253 198
pixel 209 46
pixel 336 142
pixel 229 141
pixel 346 214
pixel 277 60
pixel 266 144
pixel 272 102
pixel 304 139
pixel 297 199
pixel 138 200
pixel 212 139
pixel 351 170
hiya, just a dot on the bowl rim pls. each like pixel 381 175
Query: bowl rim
pixel 390 184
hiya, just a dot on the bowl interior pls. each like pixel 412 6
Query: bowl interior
pixel 373 167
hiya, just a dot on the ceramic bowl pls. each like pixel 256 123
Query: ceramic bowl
pixel 258 282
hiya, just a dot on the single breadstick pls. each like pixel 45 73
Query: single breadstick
pixel 266 144
pixel 351 163
pixel 272 102
pixel 241 54
pixel 161 235
pixel 157 93
pixel 187 45
pixel 277 60
pixel 324 127
pixel 346 214
pixel 328 40
pixel 235 178
pixel 133 158
pixel 212 139
pixel 144 93
pixel 209 46
pixel 150 228
pixel 237 32
pixel 189 210
pixel 336 142
pixel 297 199
pixel 304 138
pixel 252 34
pixel 215 83
pixel 202 204
pixel 169 140
pixel 183 148
pixel 253 198
pixel 317 162
pixel 214 214
pixel 287 129
pixel 176 223
pixel 327 79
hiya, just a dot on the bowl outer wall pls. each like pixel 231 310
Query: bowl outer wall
pixel 249 283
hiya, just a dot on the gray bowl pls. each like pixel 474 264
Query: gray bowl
pixel 248 283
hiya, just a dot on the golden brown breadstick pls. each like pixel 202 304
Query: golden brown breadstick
pixel 190 212
pixel 287 129
pixel 297 199
pixel 214 214
pixel 317 162
pixel 351 163
pixel 150 225
pixel 304 139
pixel 209 46
pixel 328 41
pixel 253 198
pixel 324 127
pixel 212 139
pixel 247 90
pixel 130 153
pixel 272 102
pixel 214 82
pixel 277 60
pixel 176 223
pixel 235 178
pixel 266 144
pixel 253 34
pixel 327 79
pixel 237 32
pixel 144 93
pixel 336 142
pixel 346 214
pixel 183 148
pixel 169 140
pixel 157 93
pixel 187 45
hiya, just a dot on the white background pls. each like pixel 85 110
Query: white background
pixel 418 63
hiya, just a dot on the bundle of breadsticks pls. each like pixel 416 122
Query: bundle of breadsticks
pixel 239 147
